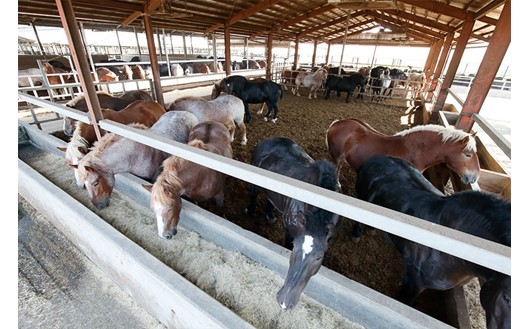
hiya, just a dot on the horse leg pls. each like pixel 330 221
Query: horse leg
pixel 411 285
pixel 262 108
pixel 247 115
pixel 348 96
pixel 242 127
pixel 276 109
pixel 252 204
pixel 270 218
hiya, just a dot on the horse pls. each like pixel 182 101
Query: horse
pixel 374 78
pixel 396 184
pixel 201 68
pixel 183 178
pixel 380 85
pixel 142 111
pixel 105 101
pixel 307 228
pixel 226 109
pixel 347 84
pixel 416 83
pixel 114 154
pixel 105 75
pixel 138 72
pixel 288 77
pixel 254 91
pixel 34 76
pixel 313 81
pixel 354 141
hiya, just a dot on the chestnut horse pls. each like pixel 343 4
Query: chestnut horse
pixel 181 177
pixel 226 109
pixel 115 154
pixel 144 112
pixel 106 101
pixel 355 141
pixel 396 184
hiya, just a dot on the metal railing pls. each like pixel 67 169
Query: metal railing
pixel 477 250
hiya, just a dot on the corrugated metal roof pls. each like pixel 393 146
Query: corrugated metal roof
pixel 421 21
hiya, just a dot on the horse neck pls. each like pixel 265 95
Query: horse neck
pixel 424 149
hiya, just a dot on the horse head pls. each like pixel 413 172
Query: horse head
pixel 312 230
pixel 464 160
pixel 98 183
pixel 166 203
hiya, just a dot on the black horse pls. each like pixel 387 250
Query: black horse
pixel 396 184
pixel 346 84
pixel 255 91
pixel 307 228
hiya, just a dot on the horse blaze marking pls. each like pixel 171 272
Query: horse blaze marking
pixel 307 245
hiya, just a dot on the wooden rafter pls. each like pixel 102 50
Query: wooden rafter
pixel 415 35
pixel 420 20
pixel 415 28
pixel 349 28
pixel 329 24
pixel 295 20
pixel 438 7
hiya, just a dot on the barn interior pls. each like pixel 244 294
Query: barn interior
pixel 447 28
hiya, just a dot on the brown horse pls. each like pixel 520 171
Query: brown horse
pixel 355 141
pixel 84 136
pixel 106 101
pixel 138 72
pixel 201 68
pixel 181 177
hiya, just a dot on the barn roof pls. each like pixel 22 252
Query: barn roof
pixel 412 22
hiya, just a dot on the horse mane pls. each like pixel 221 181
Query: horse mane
pixel 198 144
pixel 168 177
pixel 77 141
pixel 109 139
pixel 447 134
pixel 77 99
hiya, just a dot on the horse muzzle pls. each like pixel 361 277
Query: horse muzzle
pixel 470 177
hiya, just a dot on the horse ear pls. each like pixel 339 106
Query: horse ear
pixel 147 187
pixel 73 166
pixel 474 134
pixel 62 149
pixel 90 169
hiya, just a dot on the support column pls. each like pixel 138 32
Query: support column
pixel 344 41
pixel 454 63
pixel 119 42
pixel 314 53
pixel 154 61
pixel 137 42
pixel 328 53
pixel 227 47
pixel 429 70
pixel 296 53
pixel 41 48
pixel 498 45
pixel 69 24
pixel 441 63
pixel 269 57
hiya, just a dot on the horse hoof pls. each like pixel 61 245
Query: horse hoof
pixel 356 239
pixel 274 120
pixel 265 119
pixel 243 142
pixel 271 220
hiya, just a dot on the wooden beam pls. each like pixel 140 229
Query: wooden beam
pixel 131 18
pixel 488 68
pixel 329 24
pixel 408 26
pixel 152 5
pixel 420 20
pixel 438 7
pixel 303 17
pixel 244 14
pixel 349 33
pixel 415 35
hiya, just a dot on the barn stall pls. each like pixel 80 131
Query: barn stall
pixel 311 149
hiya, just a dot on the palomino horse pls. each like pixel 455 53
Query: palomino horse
pixel 181 177
pixel 106 101
pixel 144 112
pixel 256 91
pixel 354 141
pixel 115 154
pixel 396 184
pixel 313 81
pixel 307 228
pixel 416 83
pixel 226 109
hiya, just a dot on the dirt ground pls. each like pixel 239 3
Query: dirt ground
pixel 372 261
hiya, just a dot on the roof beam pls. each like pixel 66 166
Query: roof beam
pixel 408 26
pixel 415 35
pixel 350 32
pixel 329 24
pixel 303 17
pixel 420 20
pixel 244 14
pixel 438 7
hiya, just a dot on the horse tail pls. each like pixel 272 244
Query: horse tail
pixel 328 174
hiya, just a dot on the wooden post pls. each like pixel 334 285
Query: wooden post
pixel 441 63
pixel 69 24
pixel 154 61
pixel 41 48
pixel 498 45
pixel 227 47
pixel 454 63
pixel 296 53
pixel 269 57
pixel 328 53
pixel 314 53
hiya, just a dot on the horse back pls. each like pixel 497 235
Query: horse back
pixel 214 136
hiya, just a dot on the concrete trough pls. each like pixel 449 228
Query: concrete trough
pixel 166 294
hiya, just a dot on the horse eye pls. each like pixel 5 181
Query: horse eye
pixel 468 155
pixel 95 183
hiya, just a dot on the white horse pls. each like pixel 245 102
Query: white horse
pixel 314 81
pixel 415 83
